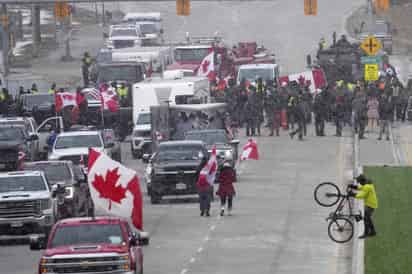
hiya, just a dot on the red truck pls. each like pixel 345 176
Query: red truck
pixel 91 245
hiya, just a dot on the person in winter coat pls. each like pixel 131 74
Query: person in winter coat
pixel 386 114
pixel 204 189
pixel 373 112
pixel 226 190
pixel 298 111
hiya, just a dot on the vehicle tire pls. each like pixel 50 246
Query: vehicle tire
pixel 340 230
pixel 155 198
pixel 324 189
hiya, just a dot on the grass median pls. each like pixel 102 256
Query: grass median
pixel 389 251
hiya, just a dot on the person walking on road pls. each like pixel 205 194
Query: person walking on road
pixel 386 113
pixel 226 190
pixel 373 112
pixel 298 113
pixel 86 63
pixel 366 191
pixel 205 197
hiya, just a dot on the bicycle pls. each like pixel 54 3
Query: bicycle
pixel 340 228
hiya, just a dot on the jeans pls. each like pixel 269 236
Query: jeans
pixel 204 201
pixel 229 201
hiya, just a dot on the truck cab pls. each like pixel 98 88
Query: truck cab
pixel 252 72
pixel 92 245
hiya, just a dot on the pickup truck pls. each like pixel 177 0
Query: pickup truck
pixel 91 245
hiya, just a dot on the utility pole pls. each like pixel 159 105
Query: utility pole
pixel 5 38
pixel 36 34
pixel 370 14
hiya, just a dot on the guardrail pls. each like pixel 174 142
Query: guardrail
pixel 358 251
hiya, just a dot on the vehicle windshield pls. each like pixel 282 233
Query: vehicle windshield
pixel 148 28
pixel 38 100
pixel 116 73
pixel 54 173
pixel 63 142
pixel 143 119
pixel 11 134
pixel 88 234
pixel 252 74
pixel 22 183
pixel 179 152
pixel 208 138
pixel 123 32
pixel 191 54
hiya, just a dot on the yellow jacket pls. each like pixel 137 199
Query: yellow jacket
pixel 368 194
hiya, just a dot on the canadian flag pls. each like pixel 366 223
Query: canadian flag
pixel 210 169
pixel 207 67
pixel 314 78
pixel 109 101
pixel 64 99
pixel 250 151
pixel 114 188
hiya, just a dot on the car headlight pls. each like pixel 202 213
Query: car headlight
pixel 45 204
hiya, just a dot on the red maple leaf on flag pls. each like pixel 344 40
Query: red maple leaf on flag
pixel 205 66
pixel 107 187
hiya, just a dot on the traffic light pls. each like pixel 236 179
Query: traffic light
pixel 381 5
pixel 311 7
pixel 61 9
pixel 183 7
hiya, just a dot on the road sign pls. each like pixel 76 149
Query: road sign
pixel 371 72
pixel 61 10
pixel 371 59
pixel 311 7
pixel 183 7
pixel 371 45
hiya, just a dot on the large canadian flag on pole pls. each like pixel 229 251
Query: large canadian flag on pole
pixel 64 99
pixel 210 169
pixel 250 151
pixel 207 66
pixel 114 188
pixel 314 78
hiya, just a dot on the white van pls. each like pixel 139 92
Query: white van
pixel 159 91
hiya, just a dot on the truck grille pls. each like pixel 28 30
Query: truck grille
pixel 19 209
pixel 8 155
pixel 123 44
pixel 76 159
pixel 111 264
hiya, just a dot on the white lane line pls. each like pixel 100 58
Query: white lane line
pixel 192 260
pixel 200 249
pixel 206 239
pixel 212 228
pixel 184 271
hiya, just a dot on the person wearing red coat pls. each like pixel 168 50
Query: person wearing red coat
pixel 204 189
pixel 226 189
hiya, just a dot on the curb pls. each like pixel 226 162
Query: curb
pixel 358 248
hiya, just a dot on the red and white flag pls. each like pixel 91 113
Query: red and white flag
pixel 114 188
pixel 314 79
pixel 109 101
pixel 64 99
pixel 250 151
pixel 207 67
pixel 210 169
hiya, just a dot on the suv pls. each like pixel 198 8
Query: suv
pixel 174 169
pixel 91 245
pixel 64 173
pixel 26 205
pixel 40 106
pixel 141 137
pixel 226 150
pixel 124 36
pixel 15 145
pixel 74 146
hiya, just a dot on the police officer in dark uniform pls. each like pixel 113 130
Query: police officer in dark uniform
pixel 298 110
pixel 319 109
pixel 360 111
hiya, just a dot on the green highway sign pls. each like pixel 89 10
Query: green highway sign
pixel 371 59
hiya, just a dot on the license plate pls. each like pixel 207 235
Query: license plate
pixel 180 186
pixel 16 224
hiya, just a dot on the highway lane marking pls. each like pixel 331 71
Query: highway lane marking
pixel 200 249
pixel 192 260
pixel 184 271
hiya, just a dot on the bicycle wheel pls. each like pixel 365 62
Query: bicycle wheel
pixel 340 230
pixel 327 194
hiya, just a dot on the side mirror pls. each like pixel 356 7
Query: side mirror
pixel 37 242
pixel 146 158
pixel 33 137
pixel 109 145
pixel 143 238
pixel 235 142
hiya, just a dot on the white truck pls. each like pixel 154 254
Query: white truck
pixel 251 72
pixel 162 91
pixel 124 36
pixel 150 25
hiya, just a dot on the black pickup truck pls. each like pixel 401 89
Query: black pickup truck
pixel 174 169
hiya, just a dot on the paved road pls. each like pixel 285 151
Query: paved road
pixel 276 227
